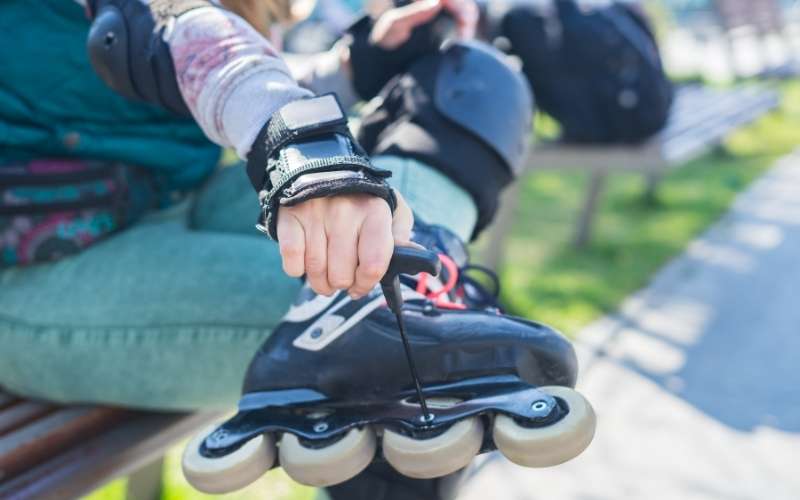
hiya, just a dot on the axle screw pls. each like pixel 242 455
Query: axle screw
pixel 539 405
pixel 320 427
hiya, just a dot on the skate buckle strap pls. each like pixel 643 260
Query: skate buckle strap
pixel 441 297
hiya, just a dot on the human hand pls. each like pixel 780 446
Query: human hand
pixel 393 28
pixel 342 242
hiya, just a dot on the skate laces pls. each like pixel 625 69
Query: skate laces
pixel 459 290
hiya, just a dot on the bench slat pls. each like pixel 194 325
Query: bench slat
pixel 712 106
pixel 688 145
pixel 6 400
pixel 51 434
pixel 93 461
pixel 674 145
pixel 17 415
pixel 687 112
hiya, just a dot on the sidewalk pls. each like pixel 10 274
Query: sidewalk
pixel 696 380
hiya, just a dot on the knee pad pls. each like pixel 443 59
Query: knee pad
pixel 127 48
pixel 463 111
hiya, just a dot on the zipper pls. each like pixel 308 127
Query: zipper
pixel 105 201
pixel 28 179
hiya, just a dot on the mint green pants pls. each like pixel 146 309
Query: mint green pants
pixel 168 313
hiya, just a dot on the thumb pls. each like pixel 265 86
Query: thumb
pixel 417 13
pixel 402 222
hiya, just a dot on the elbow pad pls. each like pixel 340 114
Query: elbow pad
pixel 127 47
pixel 306 151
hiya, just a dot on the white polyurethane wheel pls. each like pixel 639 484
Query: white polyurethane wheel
pixel 553 444
pixel 437 456
pixel 331 464
pixel 228 472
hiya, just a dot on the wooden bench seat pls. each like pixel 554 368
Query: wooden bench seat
pixel 60 452
pixel 700 119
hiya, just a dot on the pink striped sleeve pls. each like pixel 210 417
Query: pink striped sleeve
pixel 230 76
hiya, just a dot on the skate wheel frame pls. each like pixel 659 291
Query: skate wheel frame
pixel 228 472
pixel 505 394
pixel 549 445
pixel 343 430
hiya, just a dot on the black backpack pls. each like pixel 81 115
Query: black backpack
pixel 598 72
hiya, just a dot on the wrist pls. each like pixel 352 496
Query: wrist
pixel 306 151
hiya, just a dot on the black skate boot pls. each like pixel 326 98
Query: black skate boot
pixel 331 391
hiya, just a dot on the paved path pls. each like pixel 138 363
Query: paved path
pixel 696 380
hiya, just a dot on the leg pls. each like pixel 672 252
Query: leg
pixel 434 198
pixel 652 180
pixel 156 317
pixel 500 229
pixel 145 483
pixel 227 203
pixel 589 209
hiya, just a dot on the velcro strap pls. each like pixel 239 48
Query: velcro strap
pixel 339 183
pixel 299 120
pixel 306 151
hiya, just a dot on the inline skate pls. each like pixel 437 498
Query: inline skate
pixel 342 383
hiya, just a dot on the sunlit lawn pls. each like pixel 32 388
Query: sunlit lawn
pixel 546 279
pixel 273 486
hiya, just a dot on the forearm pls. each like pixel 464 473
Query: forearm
pixel 192 57
pixel 230 76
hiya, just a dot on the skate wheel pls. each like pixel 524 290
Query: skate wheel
pixel 437 456
pixel 553 444
pixel 327 465
pixel 229 472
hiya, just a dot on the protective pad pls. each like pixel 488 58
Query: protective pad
pixel 127 48
pixel 463 111
pixel 306 151
pixel 470 75
pixel 299 115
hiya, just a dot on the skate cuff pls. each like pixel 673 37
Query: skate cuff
pixel 306 151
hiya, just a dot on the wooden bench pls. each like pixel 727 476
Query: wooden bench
pixel 60 452
pixel 701 118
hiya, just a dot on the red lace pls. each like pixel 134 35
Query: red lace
pixel 441 298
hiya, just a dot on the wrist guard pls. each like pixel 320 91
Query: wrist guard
pixel 306 151
pixel 372 66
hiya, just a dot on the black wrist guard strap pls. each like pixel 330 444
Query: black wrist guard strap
pixel 306 151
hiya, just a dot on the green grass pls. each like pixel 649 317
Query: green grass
pixel 275 485
pixel 547 279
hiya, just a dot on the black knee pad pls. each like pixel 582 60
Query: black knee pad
pixel 463 111
pixel 127 48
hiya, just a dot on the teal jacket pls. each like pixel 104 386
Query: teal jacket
pixel 52 104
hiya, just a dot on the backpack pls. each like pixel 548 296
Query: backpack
pixel 50 209
pixel 597 72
